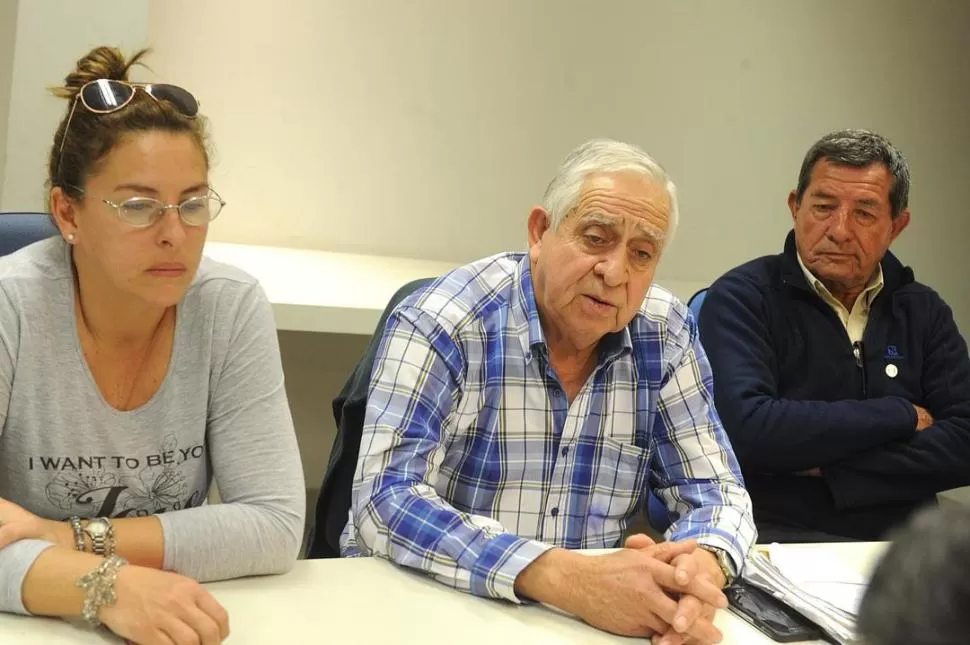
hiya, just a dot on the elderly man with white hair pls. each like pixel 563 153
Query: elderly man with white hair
pixel 522 407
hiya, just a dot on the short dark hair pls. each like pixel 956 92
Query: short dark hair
pixel 920 592
pixel 859 148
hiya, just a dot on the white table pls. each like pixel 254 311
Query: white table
pixel 365 600
pixel 319 291
pixel 338 293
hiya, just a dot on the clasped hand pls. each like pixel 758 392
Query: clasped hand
pixel 668 591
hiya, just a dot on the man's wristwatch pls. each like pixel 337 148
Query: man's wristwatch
pixel 101 534
pixel 724 562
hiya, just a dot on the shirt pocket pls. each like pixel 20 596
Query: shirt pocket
pixel 620 479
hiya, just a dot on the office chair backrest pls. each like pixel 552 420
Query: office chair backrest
pixel 349 407
pixel 18 230
pixel 696 301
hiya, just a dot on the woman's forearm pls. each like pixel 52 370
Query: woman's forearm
pixel 49 588
pixel 139 540
pixel 213 542
pixel 225 541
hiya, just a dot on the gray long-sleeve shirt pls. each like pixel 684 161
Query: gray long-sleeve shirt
pixel 221 411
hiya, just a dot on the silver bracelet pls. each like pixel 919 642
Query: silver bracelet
pixel 99 588
pixel 75 522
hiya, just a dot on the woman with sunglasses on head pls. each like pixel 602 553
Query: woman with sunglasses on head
pixel 132 372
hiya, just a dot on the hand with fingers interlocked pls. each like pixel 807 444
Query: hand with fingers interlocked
pixel 642 590
pixel 698 563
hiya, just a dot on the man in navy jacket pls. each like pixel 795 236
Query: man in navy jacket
pixel 843 383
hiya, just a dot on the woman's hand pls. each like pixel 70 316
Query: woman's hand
pixel 161 608
pixel 18 524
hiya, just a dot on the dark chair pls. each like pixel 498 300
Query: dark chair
pixel 333 505
pixel 18 230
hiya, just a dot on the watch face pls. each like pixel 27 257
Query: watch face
pixel 97 528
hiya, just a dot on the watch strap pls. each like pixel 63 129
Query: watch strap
pixel 724 562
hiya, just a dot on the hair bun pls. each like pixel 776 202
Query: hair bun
pixel 100 62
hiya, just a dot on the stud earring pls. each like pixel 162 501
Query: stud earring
pixel 70 238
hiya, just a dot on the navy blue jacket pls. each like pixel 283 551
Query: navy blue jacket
pixel 793 396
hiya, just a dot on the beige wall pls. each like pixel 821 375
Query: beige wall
pixel 50 36
pixel 428 128
pixel 8 34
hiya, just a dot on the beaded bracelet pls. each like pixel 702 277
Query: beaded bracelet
pixel 78 533
pixel 99 588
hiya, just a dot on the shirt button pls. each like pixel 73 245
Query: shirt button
pixel 565 451
pixel 555 511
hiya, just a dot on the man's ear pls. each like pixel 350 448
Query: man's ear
pixel 539 222
pixel 900 224
pixel 793 205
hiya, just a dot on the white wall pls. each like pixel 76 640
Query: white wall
pixel 8 33
pixel 50 36
pixel 428 128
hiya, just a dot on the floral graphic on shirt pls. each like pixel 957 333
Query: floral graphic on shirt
pixel 70 489
pixel 156 488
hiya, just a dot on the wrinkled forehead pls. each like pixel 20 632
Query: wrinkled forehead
pixel 830 180
pixel 625 199
pixel 639 228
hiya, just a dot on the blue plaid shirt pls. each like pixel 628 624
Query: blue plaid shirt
pixel 473 463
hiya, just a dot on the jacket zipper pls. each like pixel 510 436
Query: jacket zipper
pixel 858 348
pixel 858 352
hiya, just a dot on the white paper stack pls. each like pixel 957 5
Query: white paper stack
pixel 820 575
pixel 834 620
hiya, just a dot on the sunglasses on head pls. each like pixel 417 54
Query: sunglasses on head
pixel 106 95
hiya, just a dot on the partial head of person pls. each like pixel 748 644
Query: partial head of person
pixel 596 240
pixel 920 591
pixel 850 205
pixel 128 176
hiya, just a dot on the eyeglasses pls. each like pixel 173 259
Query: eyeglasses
pixel 106 95
pixel 142 212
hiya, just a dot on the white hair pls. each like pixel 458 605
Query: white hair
pixel 603 155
